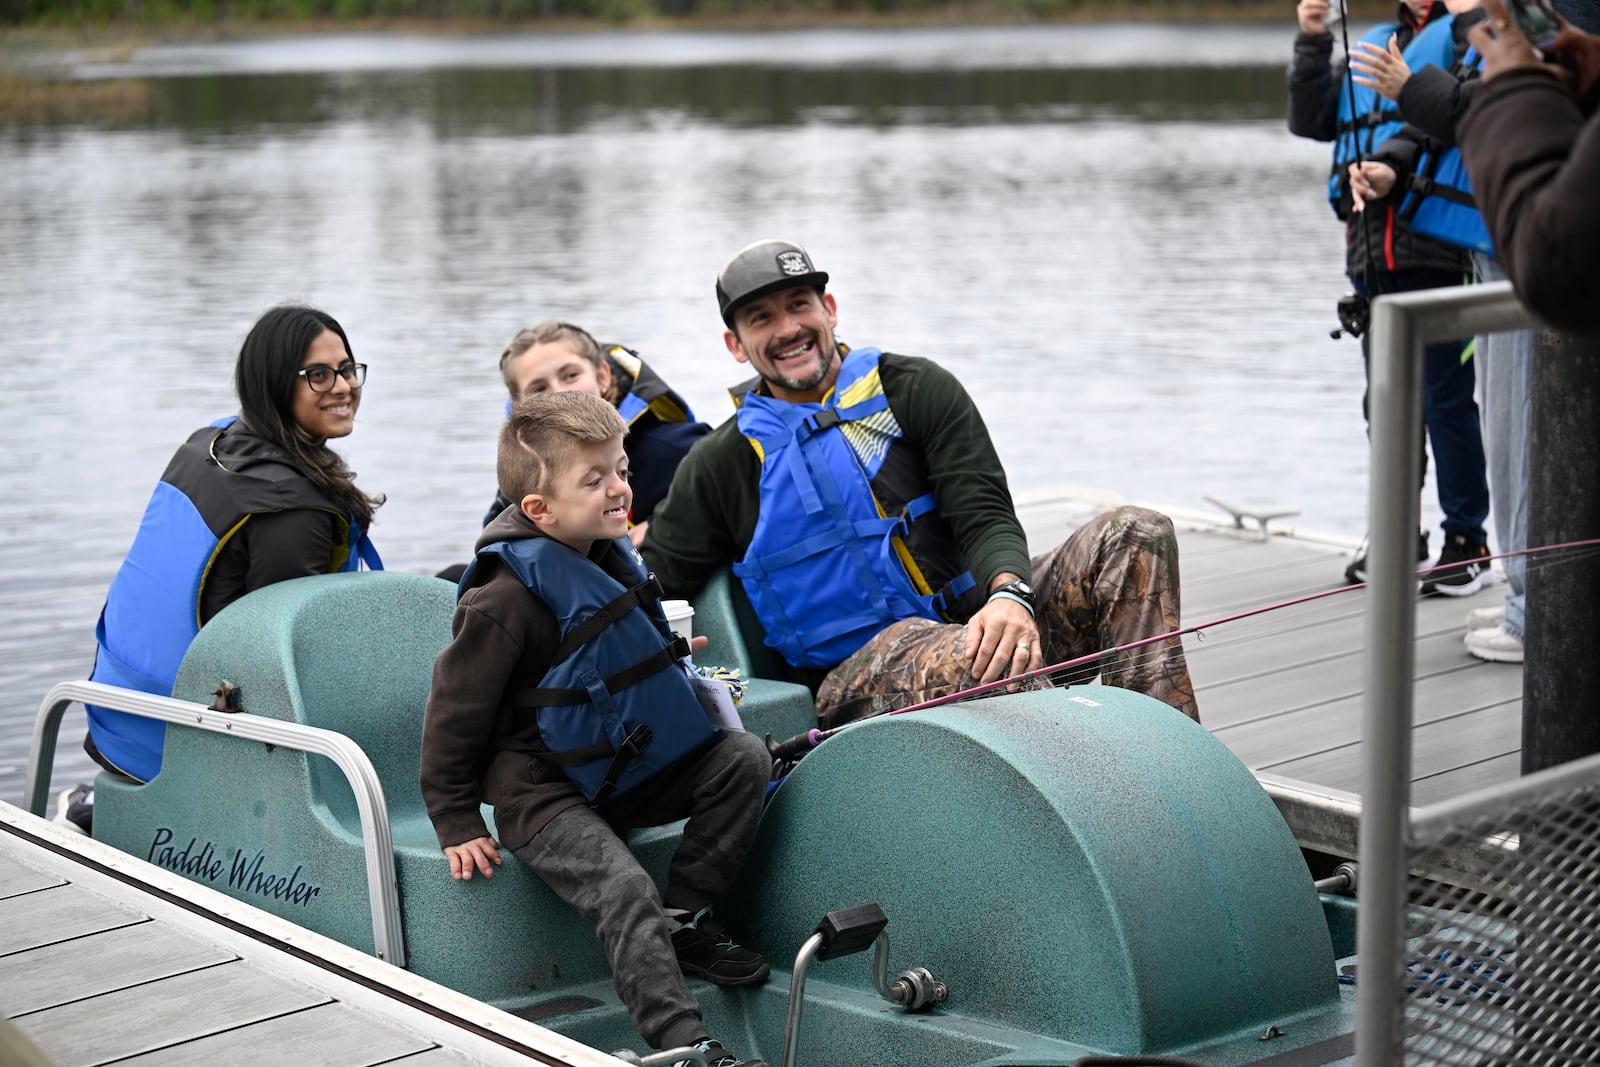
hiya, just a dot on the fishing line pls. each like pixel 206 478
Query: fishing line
pixel 800 744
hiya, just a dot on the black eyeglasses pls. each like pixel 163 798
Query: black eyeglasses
pixel 320 376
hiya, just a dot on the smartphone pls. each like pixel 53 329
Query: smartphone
pixel 1536 19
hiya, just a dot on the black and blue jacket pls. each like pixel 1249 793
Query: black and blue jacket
pixel 221 478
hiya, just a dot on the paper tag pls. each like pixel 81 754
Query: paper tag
pixel 716 701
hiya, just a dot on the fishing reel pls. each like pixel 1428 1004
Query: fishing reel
pixel 1355 315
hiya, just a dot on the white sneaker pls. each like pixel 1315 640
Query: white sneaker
pixel 1494 644
pixel 1482 618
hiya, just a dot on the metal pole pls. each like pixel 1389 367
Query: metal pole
pixel 1561 677
pixel 1388 661
pixel 797 999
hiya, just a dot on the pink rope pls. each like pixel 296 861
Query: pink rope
pixel 989 687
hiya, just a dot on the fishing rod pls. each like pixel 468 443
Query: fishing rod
pixel 797 746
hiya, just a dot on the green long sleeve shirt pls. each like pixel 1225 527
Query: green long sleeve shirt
pixel 708 517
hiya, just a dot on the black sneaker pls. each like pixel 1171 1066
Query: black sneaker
pixel 705 950
pixel 1462 570
pixel 1357 571
pixel 717 1056
pixel 75 809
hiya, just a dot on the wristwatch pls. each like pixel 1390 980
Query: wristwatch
pixel 1017 588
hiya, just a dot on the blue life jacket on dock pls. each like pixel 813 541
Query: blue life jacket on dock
pixel 848 540
pixel 616 706
pixel 152 610
pixel 1438 200
pixel 1366 119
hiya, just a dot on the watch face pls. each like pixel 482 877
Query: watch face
pixel 1017 585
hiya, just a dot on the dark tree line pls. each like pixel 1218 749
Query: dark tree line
pixel 156 12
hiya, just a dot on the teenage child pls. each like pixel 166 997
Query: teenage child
pixel 555 357
pixel 555 593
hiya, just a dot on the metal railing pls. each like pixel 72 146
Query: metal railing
pixel 1474 933
pixel 377 841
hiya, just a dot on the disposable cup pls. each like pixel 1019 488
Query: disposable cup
pixel 680 616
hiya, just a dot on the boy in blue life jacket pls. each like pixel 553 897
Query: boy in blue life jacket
pixel 1386 253
pixel 555 597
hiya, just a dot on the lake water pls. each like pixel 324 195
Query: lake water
pixel 1105 231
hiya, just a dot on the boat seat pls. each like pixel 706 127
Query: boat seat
pixel 722 613
pixel 275 827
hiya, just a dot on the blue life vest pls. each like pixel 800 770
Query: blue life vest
pixel 647 392
pixel 1367 119
pixel 152 610
pixel 848 540
pixel 616 706
pixel 1438 201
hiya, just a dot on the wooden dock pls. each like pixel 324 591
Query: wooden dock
pixel 104 958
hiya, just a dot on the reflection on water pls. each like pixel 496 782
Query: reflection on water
pixel 1128 265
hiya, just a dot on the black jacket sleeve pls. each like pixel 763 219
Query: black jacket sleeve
pixel 1314 87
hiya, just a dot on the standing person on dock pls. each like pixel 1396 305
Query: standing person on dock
pixel 247 501
pixel 1420 170
pixel 1384 254
pixel 563 700
pixel 858 498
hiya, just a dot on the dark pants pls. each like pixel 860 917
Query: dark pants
pixel 583 857
pixel 1449 413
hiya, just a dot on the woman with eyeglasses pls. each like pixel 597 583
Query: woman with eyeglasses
pixel 246 502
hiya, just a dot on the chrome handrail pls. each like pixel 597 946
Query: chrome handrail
pixel 1403 324
pixel 377 840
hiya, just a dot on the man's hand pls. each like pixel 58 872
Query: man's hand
pixel 636 532
pixel 1313 16
pixel 1501 43
pixel 1383 71
pixel 479 853
pixel 1505 47
pixel 1002 641
pixel 1369 180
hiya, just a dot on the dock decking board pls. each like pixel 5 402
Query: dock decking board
pixel 99 963
pixel 163 1014
pixel 326 1033
pixel 16 879
pixel 58 914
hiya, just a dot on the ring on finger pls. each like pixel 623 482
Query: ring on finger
pixel 1501 25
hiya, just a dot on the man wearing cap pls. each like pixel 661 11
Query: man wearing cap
pixel 860 503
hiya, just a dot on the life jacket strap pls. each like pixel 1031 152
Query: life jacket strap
pixel 944 601
pixel 633 747
pixel 590 628
pixel 1424 186
pixel 537 697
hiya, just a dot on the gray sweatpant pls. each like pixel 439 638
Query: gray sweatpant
pixel 583 856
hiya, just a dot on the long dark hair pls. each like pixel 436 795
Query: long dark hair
pixel 265 380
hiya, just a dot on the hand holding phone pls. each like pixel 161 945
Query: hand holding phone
pixel 1537 19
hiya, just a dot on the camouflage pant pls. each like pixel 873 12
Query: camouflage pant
pixel 1112 582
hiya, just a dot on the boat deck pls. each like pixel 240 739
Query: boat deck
pixel 105 958
pixel 1283 689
